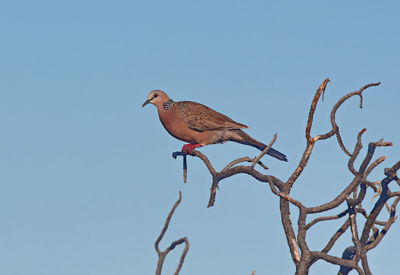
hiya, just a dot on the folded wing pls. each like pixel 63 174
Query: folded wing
pixel 201 118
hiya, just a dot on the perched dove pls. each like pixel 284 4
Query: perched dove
pixel 200 125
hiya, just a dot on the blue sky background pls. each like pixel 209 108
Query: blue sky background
pixel 87 178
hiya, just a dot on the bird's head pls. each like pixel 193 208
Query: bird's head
pixel 156 97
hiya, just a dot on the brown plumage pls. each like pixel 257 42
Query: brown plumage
pixel 200 125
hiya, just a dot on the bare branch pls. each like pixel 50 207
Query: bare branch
pixel 284 195
pixel 364 213
pixel 335 127
pixel 213 193
pixel 318 93
pixel 382 234
pixel 289 232
pixel 310 141
pixel 391 174
pixel 183 255
pixel 243 159
pixel 354 193
pixel 373 165
pixel 336 260
pixel 262 154
pixel 338 200
pixel 166 224
pixel 353 227
pixel 336 236
pixel 217 177
pixel 327 218
pixel 394 194
pixel 371 149
pixel 163 254
pixel 356 151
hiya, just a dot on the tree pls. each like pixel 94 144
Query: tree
pixel 365 237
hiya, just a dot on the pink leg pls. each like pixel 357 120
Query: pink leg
pixel 188 148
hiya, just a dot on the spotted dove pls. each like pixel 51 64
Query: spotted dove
pixel 199 125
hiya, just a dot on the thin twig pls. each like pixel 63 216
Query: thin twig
pixel 355 153
pixel 327 218
pixel 163 254
pixel 262 154
pixel 243 159
pixel 392 219
pixel 318 93
pixel 335 127
pixel 353 227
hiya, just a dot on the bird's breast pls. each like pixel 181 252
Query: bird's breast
pixel 177 127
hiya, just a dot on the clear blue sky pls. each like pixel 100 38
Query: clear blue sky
pixel 87 178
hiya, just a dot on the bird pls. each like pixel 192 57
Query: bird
pixel 199 125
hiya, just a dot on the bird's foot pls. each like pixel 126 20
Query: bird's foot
pixel 188 148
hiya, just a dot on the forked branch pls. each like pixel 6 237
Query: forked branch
pixel 163 254
pixel 365 236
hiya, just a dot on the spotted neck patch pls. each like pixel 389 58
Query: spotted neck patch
pixel 168 105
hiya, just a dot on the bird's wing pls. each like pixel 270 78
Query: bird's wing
pixel 202 118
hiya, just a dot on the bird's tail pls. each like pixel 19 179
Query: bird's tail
pixel 244 138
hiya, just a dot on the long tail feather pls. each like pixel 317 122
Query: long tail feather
pixel 244 138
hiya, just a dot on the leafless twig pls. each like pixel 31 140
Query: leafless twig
pixel 163 254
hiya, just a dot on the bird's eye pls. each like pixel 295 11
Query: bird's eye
pixel 155 95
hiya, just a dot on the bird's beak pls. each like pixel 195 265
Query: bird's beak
pixel 146 102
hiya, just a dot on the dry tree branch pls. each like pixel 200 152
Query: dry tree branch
pixel 336 236
pixel 338 200
pixel 335 127
pixel 359 175
pixel 163 254
pixel 353 227
pixel 355 153
pixel 370 235
pixel 384 196
pixel 231 169
pixel 320 91
pixel 387 226
pixel 262 154
pixel 327 218
pixel 337 261
pixel 310 141
pixel 284 195
pixel 243 159
pixel 365 215
pixel 394 194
